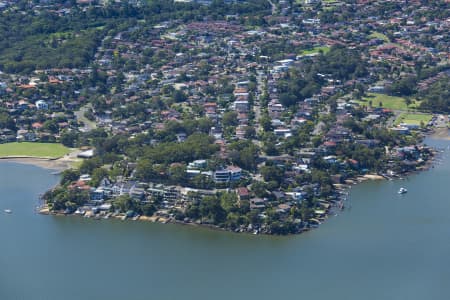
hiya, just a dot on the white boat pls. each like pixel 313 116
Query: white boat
pixel 402 190
pixel 8 211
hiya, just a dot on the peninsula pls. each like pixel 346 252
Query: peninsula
pixel 249 116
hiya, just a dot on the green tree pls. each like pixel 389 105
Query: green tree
pixel 97 175
pixel 229 119
pixel 68 176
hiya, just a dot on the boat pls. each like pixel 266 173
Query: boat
pixel 402 190
pixel 8 211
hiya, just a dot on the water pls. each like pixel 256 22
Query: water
pixel 388 246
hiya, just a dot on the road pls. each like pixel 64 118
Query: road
pixel 257 107
pixel 274 7
pixel 88 124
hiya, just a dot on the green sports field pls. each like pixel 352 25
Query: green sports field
pixel 414 119
pixel 49 150
pixel 390 102
pixel 315 50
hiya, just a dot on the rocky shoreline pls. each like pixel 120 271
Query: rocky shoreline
pixel 338 204
pixel 332 206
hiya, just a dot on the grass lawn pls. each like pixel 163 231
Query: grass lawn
pixel 379 35
pixel 76 164
pixel 33 149
pixel 414 119
pixel 390 102
pixel 325 49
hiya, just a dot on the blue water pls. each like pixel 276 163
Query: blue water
pixel 388 246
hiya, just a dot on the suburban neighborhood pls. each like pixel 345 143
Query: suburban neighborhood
pixel 247 122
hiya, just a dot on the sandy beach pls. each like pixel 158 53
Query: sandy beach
pixel 441 133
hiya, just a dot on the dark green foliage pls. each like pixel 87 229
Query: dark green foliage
pixel 62 198
pixel 244 154
pixel 437 97
pixel 404 87
pixel 196 146
pixel 69 176
pixel 46 41
pixel 303 82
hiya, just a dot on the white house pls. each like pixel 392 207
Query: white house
pixel 41 105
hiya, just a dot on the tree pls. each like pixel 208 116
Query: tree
pixel 210 208
pixel 404 87
pixel 228 201
pixel 69 139
pixel 259 189
pixel 178 174
pixel 288 100
pixel 125 203
pixel 68 176
pixel 272 173
pixel 51 126
pixel 97 176
pixel 89 165
pixel 266 122
pixel 408 101
pixel 250 132
pixel 144 170
pixel 148 209
pixel 179 96
pixel 7 121
pixel 229 119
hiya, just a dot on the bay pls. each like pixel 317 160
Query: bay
pixel 387 246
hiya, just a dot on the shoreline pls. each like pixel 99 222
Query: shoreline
pixel 336 205
pixel 339 203
pixel 440 133
pixel 58 164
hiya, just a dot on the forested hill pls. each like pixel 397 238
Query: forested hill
pixel 38 38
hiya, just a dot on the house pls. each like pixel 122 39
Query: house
pixel 86 154
pixel 25 135
pixel 167 193
pixel 377 89
pixel 181 137
pixel 243 194
pixel 199 163
pixel 283 208
pixel 231 173
pixel 279 196
pixel 410 126
pixel 97 195
pixel 283 132
pixel 257 203
pixel 241 105
pixel 41 105
pixel 400 129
